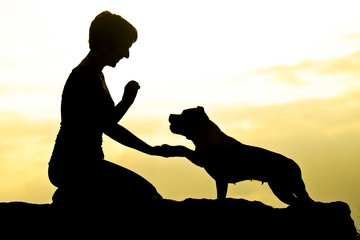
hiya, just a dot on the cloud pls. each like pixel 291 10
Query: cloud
pixel 322 78
pixel 308 79
pixel 347 65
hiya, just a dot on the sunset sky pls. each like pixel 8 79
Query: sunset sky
pixel 282 75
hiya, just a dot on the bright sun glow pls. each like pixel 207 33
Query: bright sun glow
pixel 278 74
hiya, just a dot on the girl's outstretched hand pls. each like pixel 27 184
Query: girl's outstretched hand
pixel 170 151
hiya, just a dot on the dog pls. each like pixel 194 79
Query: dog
pixel 227 160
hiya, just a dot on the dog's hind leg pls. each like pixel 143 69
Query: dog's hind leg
pixel 221 189
pixel 283 192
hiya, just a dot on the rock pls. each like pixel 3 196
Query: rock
pixel 191 218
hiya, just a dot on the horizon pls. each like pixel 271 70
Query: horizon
pixel 274 74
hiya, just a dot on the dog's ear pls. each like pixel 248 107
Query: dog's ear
pixel 201 109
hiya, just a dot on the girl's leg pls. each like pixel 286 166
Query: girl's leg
pixel 100 182
pixel 120 183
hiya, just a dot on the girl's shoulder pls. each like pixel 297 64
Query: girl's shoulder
pixel 83 80
pixel 82 75
pixel 85 72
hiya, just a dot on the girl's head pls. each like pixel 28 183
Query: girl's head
pixel 112 35
pixel 111 31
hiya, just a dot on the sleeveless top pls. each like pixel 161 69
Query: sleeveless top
pixel 86 110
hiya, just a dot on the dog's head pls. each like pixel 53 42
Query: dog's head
pixel 189 122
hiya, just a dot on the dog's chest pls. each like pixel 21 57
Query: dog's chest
pixel 225 165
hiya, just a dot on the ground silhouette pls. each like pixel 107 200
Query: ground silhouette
pixel 189 219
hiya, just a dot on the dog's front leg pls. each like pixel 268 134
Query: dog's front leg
pixel 221 188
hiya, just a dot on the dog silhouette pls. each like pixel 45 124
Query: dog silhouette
pixel 227 160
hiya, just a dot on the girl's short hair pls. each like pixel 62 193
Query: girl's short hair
pixel 108 29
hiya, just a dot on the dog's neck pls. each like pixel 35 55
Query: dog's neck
pixel 208 136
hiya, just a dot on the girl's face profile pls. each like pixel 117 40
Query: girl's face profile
pixel 121 51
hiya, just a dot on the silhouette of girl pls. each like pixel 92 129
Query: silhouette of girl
pixel 77 166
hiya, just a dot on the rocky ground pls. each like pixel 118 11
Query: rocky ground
pixel 168 219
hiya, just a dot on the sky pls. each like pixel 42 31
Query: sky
pixel 282 75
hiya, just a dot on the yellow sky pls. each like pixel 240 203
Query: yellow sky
pixel 283 75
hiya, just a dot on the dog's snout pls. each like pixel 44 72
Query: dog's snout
pixel 172 118
pixel 174 123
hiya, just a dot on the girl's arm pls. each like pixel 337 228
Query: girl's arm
pixel 125 137
pixel 128 98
